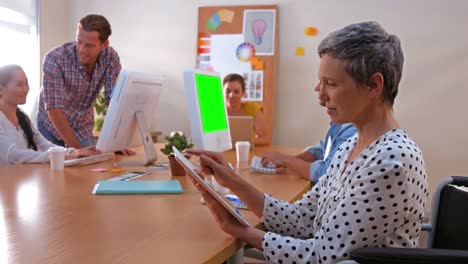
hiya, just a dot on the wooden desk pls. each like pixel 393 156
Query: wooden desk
pixel 52 217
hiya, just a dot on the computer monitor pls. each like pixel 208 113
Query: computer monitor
pixel 207 110
pixel 133 104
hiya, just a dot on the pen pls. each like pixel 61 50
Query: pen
pixel 131 177
pixel 230 166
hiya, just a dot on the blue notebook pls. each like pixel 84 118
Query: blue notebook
pixel 137 187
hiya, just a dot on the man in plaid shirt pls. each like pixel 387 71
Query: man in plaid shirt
pixel 74 74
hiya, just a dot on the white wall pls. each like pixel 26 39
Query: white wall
pixel 154 37
pixel 160 36
pixel 54 29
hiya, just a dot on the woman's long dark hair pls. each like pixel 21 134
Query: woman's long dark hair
pixel 23 119
pixel 25 125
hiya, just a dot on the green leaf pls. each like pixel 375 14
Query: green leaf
pixel 100 105
pixel 177 140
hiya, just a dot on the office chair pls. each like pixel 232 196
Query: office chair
pixel 448 231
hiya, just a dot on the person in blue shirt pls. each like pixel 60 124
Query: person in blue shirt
pixel 314 161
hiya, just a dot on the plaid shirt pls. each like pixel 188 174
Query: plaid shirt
pixel 67 86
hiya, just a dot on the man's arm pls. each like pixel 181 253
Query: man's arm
pixel 300 166
pixel 112 73
pixel 59 120
pixel 306 156
pixel 299 163
pixel 54 99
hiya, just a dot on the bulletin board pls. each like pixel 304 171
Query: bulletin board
pixel 243 40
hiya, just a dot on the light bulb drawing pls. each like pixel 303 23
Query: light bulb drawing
pixel 259 27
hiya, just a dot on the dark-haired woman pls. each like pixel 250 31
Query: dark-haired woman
pixel 20 142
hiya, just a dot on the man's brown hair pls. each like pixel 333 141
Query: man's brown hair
pixel 97 23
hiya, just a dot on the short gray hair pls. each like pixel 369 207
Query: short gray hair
pixel 366 48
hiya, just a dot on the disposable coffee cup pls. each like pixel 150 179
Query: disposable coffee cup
pixel 57 158
pixel 242 153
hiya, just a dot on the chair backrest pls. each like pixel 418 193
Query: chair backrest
pixel 450 215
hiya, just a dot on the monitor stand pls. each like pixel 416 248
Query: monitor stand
pixel 150 151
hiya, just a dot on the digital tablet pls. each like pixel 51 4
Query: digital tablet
pixel 242 129
pixel 223 201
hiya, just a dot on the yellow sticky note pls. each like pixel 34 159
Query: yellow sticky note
pixel 259 66
pixel 310 31
pixel 257 63
pixel 300 51
pixel 226 15
pixel 117 170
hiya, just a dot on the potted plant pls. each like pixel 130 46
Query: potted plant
pixel 178 140
pixel 100 111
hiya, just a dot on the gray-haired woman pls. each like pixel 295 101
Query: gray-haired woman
pixel 375 190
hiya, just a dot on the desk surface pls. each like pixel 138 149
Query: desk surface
pixel 52 217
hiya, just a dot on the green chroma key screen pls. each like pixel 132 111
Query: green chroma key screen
pixel 210 98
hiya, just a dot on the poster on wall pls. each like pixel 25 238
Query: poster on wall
pixel 259 30
pixel 254 55
pixel 253 86
pixel 223 56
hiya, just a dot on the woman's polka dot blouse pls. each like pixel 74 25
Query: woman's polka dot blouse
pixel 378 200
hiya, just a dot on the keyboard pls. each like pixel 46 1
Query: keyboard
pixel 89 160
pixel 256 165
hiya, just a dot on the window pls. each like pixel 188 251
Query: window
pixel 19 45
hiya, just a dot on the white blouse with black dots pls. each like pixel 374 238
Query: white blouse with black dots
pixel 378 200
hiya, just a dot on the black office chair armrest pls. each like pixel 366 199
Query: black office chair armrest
pixel 409 255
pixel 460 180
pixel 426 227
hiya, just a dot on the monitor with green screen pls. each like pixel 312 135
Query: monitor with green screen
pixel 211 101
pixel 209 126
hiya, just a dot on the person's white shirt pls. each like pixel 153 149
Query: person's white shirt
pixel 14 147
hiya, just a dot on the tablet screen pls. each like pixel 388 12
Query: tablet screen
pixel 225 203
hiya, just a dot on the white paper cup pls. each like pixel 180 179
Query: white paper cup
pixel 57 158
pixel 242 153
